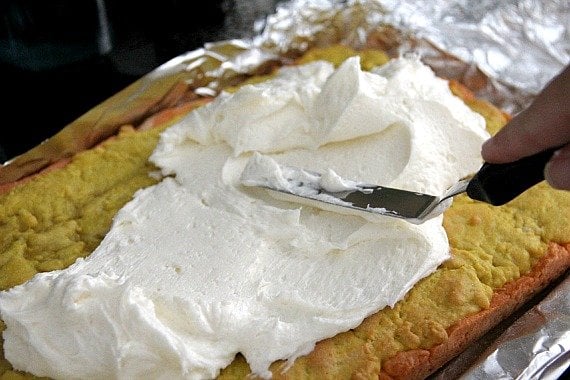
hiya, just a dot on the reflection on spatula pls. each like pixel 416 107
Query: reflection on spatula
pixel 495 184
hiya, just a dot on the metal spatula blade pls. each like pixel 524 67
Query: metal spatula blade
pixel 379 200
pixel 495 184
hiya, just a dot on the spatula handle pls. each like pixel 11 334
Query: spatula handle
pixel 497 184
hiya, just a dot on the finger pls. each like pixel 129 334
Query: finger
pixel 557 170
pixel 544 124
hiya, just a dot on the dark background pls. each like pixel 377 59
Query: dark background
pixel 59 58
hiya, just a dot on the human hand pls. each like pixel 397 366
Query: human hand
pixel 544 124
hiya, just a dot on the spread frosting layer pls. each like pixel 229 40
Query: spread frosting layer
pixel 199 268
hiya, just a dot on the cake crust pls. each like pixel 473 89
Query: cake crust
pixel 419 364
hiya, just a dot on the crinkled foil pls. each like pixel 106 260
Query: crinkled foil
pixel 502 50
pixel 536 346
pixel 531 344
pixel 505 51
pixel 522 42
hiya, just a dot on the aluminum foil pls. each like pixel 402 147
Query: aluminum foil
pixel 504 50
pixel 518 45
pixel 536 346
pixel 524 43
pixel 532 344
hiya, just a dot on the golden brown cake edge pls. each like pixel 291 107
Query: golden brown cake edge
pixel 418 364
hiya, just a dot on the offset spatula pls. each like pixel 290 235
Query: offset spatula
pixel 495 184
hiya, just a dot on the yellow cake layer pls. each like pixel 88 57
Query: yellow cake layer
pixel 48 222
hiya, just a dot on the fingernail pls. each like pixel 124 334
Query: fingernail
pixel 486 146
pixel 557 170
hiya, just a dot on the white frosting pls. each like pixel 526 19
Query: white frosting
pixel 198 268
pixel 332 182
